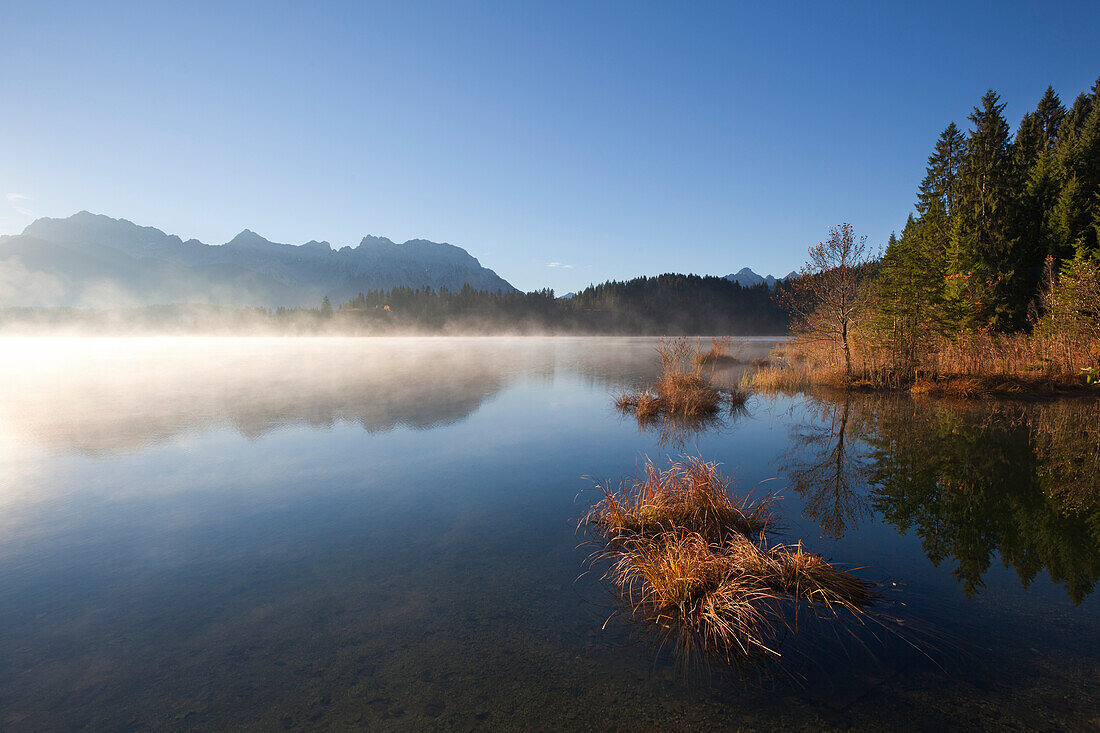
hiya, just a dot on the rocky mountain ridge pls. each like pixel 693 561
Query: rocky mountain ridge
pixel 92 260
pixel 746 278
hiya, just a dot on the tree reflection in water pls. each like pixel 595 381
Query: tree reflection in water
pixel 828 466
pixel 972 480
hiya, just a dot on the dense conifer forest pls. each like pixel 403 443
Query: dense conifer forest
pixel 666 304
pixel 996 215
pixel 995 277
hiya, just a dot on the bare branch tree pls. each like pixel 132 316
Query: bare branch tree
pixel 826 298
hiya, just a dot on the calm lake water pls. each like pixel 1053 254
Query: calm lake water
pixel 338 533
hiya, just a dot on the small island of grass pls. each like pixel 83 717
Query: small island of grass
pixel 681 392
pixel 690 559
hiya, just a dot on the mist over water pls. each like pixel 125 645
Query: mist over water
pixel 326 532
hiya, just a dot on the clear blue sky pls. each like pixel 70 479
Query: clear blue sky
pixel 616 138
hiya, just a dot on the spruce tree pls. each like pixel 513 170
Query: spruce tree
pixel 1077 162
pixel 1050 113
pixel 1040 180
pixel 939 189
pixel 988 278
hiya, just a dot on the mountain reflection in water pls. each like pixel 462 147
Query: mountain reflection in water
pixel 106 396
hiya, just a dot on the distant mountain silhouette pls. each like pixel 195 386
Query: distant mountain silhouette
pixel 92 260
pixel 746 277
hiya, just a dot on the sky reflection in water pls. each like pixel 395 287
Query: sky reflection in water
pixel 318 532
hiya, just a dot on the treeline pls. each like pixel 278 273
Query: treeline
pixel 663 305
pixel 996 272
pixel 996 213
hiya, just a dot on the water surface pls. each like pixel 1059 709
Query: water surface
pixel 319 533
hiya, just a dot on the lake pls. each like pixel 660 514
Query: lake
pixel 382 533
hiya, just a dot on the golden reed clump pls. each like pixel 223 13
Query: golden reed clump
pixel 680 392
pixel 718 354
pixel 691 494
pixel 727 599
pixel 691 560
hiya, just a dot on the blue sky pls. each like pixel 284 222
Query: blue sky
pixel 607 139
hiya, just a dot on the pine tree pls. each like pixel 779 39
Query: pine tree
pixel 938 191
pixel 1039 181
pixel 988 277
pixel 1077 162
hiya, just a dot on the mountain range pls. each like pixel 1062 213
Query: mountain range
pixel 746 277
pixel 91 260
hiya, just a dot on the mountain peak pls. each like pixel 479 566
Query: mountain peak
pixel 247 238
pixel 371 241
pixel 745 277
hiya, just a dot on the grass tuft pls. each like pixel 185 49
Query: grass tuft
pixel 692 561
pixel 719 353
pixel 727 599
pixel 690 494
pixel 681 392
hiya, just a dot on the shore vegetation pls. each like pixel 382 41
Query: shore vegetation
pixel 719 354
pixel 992 287
pixel 690 559
pixel 681 391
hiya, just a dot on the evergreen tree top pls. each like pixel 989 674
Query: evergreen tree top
pixel 1050 112
pixel 938 189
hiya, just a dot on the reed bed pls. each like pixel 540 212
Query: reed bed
pixel 774 379
pixel 691 494
pixel 690 559
pixel 970 366
pixel 719 353
pixel 963 366
pixel 681 391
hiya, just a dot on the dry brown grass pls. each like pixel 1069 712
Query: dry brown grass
pixel 773 379
pixel 690 494
pixel 677 581
pixel 719 353
pixel 725 598
pixel 969 387
pixel 737 397
pixel 644 403
pixel 680 392
pixel 691 560
pixel 686 395
pixel 801 574
pixel 923 387
pixel 969 366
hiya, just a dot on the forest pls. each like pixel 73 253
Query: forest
pixel 997 271
pixel 666 304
